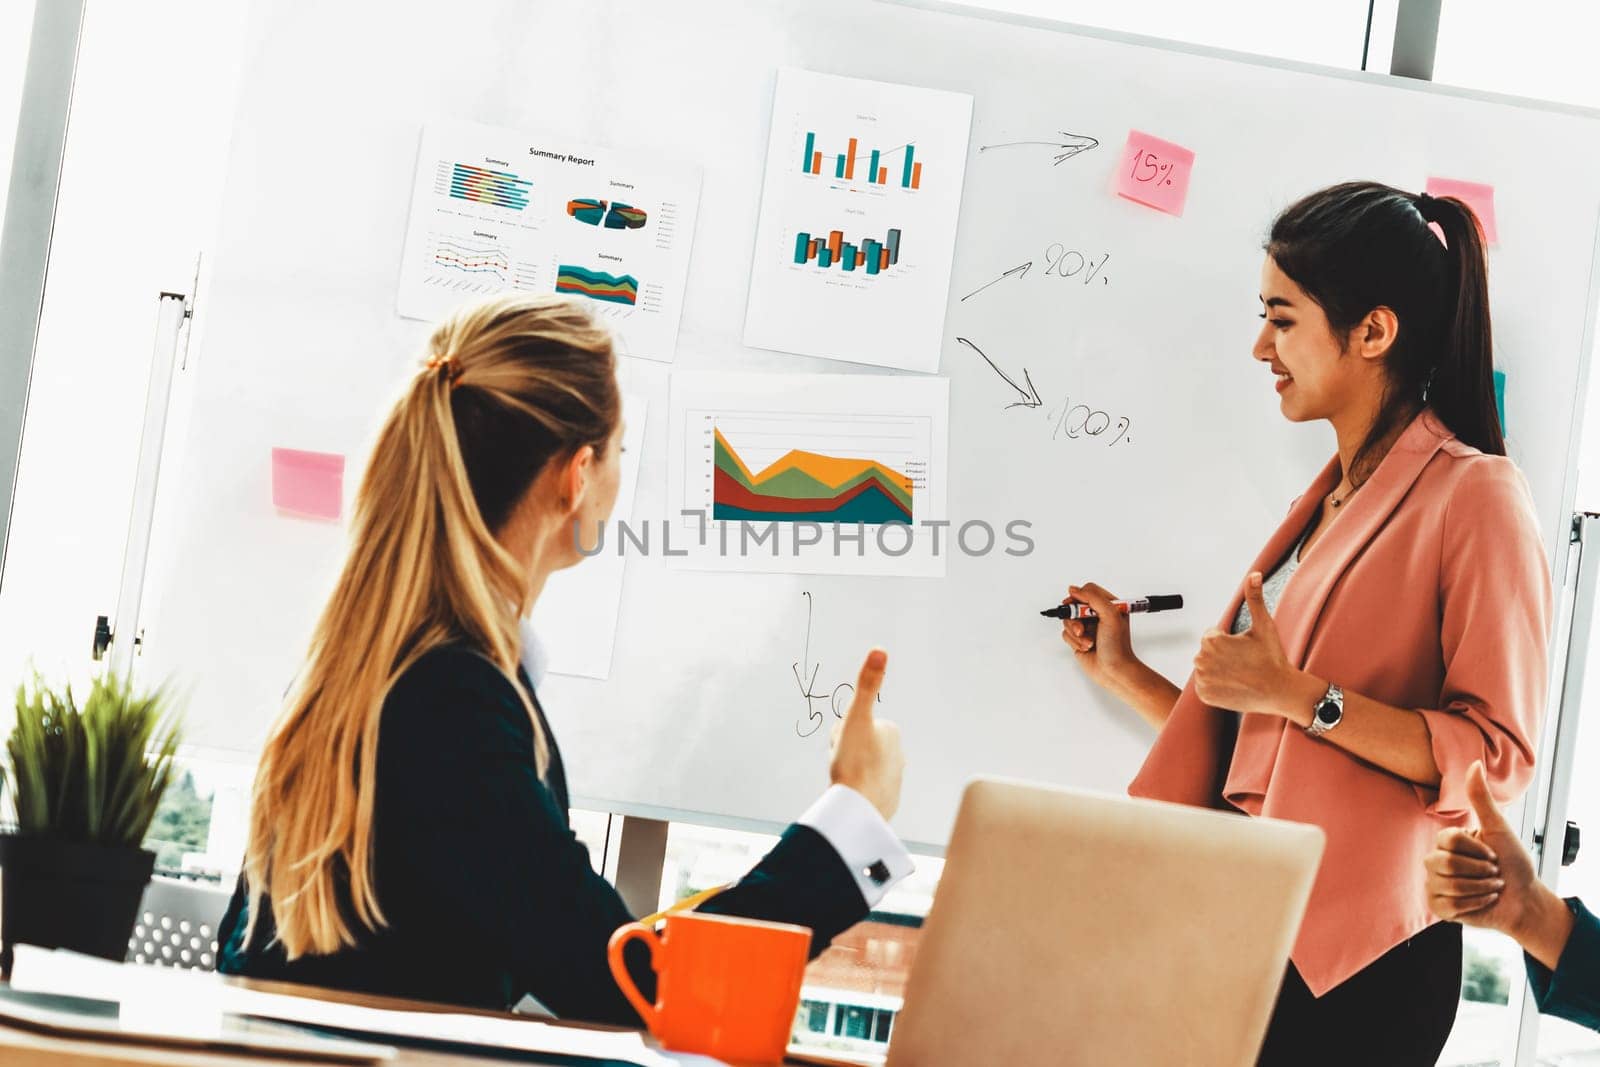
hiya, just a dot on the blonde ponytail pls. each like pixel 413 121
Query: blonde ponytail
pixel 509 385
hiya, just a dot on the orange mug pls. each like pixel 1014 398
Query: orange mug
pixel 725 987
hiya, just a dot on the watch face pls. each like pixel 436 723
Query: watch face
pixel 1328 713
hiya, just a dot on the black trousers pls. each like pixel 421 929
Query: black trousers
pixel 1396 1012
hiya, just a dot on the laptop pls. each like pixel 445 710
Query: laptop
pixel 1071 928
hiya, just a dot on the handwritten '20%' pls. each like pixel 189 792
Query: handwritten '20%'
pixel 1064 262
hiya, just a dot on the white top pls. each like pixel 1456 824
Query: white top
pixel 1272 586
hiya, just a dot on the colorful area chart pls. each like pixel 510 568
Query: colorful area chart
pixel 608 215
pixel 597 285
pixel 808 487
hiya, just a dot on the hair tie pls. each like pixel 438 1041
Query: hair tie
pixel 448 366
pixel 1427 207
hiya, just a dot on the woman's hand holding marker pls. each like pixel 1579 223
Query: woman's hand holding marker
pixel 1103 645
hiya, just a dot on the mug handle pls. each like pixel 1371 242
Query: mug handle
pixel 619 970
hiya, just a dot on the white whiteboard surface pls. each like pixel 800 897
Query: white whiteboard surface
pixel 699 716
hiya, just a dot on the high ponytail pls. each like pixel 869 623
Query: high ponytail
pixel 1358 246
pixel 1461 392
pixel 509 386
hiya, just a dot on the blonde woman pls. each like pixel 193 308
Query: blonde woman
pixel 409 831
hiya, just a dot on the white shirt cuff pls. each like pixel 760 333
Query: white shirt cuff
pixel 848 821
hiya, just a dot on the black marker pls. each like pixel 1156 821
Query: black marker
pixel 1143 604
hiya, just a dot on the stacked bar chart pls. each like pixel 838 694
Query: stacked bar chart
pixel 496 188
pixel 876 172
pixel 870 256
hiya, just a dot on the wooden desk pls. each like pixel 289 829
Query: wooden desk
pixel 21 1048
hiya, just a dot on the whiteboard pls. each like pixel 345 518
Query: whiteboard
pixel 701 716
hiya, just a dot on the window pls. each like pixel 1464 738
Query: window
pixel 1328 32
pixel 1537 48
pixel 16 22
pixel 135 115
pixel 814 1015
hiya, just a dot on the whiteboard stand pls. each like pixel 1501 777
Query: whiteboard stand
pixel 174 310
pixel 641 855
pixel 1553 854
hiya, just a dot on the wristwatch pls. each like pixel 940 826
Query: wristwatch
pixel 1329 713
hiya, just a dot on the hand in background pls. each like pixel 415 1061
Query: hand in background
pixel 866 750
pixel 1484 877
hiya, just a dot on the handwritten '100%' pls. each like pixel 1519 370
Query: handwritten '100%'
pixel 1078 421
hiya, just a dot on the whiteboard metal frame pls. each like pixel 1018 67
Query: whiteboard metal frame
pixel 173 313
pixel 31 196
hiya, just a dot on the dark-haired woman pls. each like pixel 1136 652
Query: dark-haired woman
pixel 1391 632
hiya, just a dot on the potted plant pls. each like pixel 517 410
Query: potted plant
pixel 85 784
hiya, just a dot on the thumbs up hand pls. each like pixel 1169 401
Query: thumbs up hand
pixel 866 750
pixel 1249 671
pixel 1484 877
pixel 1481 877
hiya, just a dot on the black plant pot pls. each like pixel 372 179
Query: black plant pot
pixel 69 894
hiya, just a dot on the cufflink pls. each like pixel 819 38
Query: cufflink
pixel 878 872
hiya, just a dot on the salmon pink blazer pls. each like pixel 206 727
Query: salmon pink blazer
pixel 1430 590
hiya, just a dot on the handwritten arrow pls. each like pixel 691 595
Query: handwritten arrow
pixel 1023 268
pixel 1074 144
pixel 1030 395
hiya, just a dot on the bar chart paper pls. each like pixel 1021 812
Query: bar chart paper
pixel 496 211
pixel 856 238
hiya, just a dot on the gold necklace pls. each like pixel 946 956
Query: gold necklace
pixel 1335 500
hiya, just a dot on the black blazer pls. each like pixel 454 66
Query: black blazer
pixel 488 893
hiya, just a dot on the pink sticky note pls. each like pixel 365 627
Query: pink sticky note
pixel 308 483
pixel 1154 172
pixel 1477 196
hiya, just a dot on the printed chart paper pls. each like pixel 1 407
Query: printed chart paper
pixel 809 473
pixel 856 238
pixel 496 210
pixel 576 614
